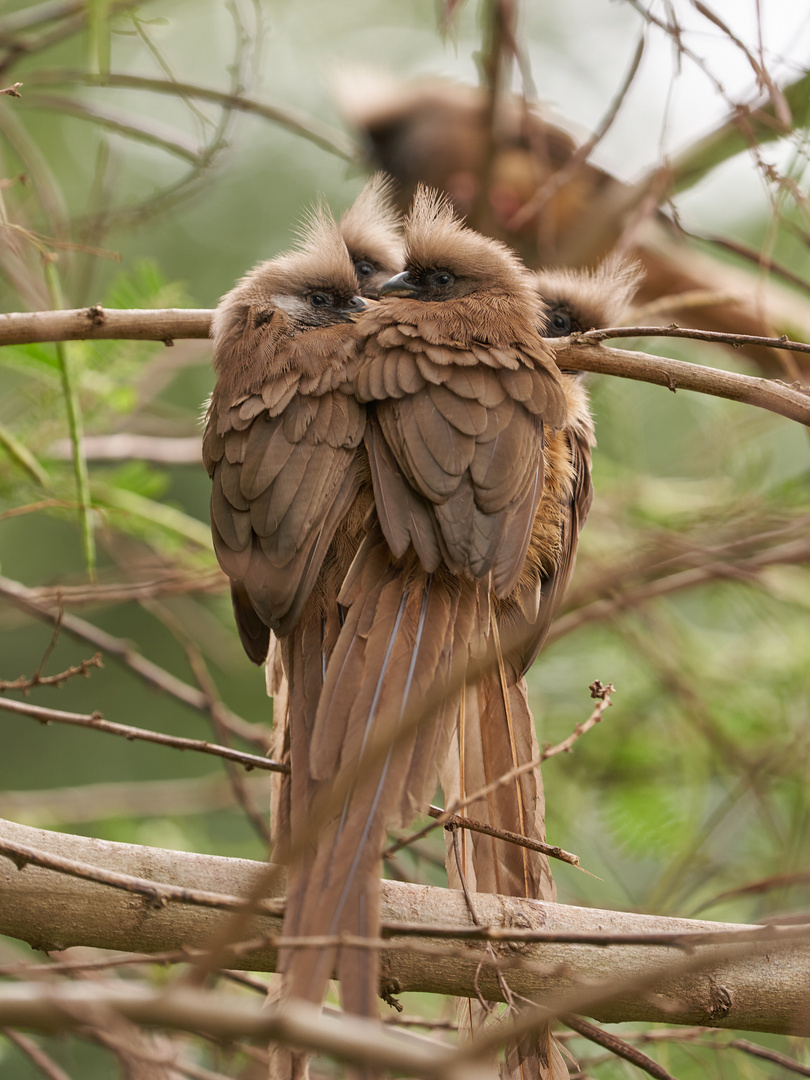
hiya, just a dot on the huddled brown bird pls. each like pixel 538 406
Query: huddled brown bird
pixel 467 521
pixel 371 232
pixel 281 447
pixel 397 491
pixel 496 732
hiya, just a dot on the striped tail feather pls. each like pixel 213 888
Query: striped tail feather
pixel 494 733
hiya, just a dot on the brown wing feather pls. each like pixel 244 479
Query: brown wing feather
pixel 468 441
pixel 283 476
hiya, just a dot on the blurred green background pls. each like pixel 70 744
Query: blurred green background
pixel 695 785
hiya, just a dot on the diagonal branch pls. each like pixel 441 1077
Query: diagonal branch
pixel 295 121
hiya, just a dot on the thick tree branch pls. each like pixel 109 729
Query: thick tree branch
pixel 757 984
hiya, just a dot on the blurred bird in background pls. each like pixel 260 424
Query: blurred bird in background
pixel 519 176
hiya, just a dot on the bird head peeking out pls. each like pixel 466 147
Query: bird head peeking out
pixel 371 230
pixel 482 284
pixel 580 300
pixel 312 287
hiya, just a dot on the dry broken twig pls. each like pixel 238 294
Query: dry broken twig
pixel 26 683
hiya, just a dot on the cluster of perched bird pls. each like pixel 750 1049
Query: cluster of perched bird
pixel 400 474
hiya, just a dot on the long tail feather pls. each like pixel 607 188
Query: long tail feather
pixel 495 732
pixel 379 729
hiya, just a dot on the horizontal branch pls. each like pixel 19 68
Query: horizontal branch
pixel 578 353
pixel 759 985
pixel 97 323
pixel 51 1009
pixel 717 337
pixel 770 394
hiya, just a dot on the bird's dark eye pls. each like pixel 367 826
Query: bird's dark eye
pixel 441 278
pixel 559 324
pixel 363 268
pixel 321 299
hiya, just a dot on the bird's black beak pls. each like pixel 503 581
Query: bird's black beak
pixel 401 285
pixel 355 306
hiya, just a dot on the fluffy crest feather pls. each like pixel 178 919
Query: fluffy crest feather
pixel 246 323
pixel 435 236
pixel 371 227
pixel 593 298
pixel 319 248
pixel 319 260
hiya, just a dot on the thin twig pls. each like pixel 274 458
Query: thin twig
pixel 298 122
pixel 449 816
pixel 774 1056
pixel 25 684
pixel 98 723
pixel 151 673
pixel 459 822
pixel 617 1046
pixel 736 341
pixel 174 583
pixel 546 192
pixel 44 1062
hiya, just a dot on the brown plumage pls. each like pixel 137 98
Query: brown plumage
pixel 461 392
pixel 579 300
pixel 282 448
pixel 282 430
pixel 495 730
pixel 371 231
pixel 366 241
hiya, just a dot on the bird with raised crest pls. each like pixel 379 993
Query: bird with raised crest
pixel 290 483
pixel 282 446
pixel 495 732
pixel 460 391
pixel 371 231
